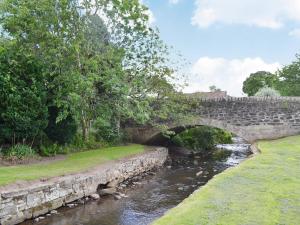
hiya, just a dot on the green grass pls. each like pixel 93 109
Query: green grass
pixel 264 190
pixel 75 162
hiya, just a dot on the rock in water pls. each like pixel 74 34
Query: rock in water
pixel 199 173
pixel 107 191
pixel 53 212
pixel 95 196
pixel 117 197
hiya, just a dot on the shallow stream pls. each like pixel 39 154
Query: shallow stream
pixel 151 196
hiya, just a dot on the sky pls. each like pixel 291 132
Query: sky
pixel 226 40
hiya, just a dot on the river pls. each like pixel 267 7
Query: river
pixel 150 197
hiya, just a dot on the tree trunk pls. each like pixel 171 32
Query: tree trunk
pixel 84 126
pixel 85 130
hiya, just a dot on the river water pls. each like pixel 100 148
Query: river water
pixel 153 195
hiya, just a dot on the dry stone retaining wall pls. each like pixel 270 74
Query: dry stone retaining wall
pixel 30 201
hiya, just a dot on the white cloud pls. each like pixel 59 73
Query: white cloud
pixel 149 13
pixel 228 75
pixel 152 18
pixel 174 2
pixel 262 13
pixel 295 33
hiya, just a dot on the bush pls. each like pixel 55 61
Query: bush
pixel 50 150
pixel 19 151
pixel 202 138
pixel 79 144
pixel 267 92
pixel 222 136
pixel 62 132
pixel 105 131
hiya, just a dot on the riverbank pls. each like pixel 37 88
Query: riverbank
pixel 263 190
pixel 72 163
pixel 89 172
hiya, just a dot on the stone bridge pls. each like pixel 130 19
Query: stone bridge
pixel 250 118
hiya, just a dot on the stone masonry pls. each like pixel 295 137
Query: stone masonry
pixel 251 118
pixel 26 201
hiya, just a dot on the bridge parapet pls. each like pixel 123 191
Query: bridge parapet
pixel 250 99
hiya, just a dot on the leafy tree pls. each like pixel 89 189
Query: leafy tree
pixel 92 67
pixel 257 81
pixel 213 88
pixel 267 92
pixel 23 110
pixel 289 79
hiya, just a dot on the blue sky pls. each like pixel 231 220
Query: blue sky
pixel 226 40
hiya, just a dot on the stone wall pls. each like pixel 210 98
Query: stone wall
pixel 26 201
pixel 251 118
pixel 253 111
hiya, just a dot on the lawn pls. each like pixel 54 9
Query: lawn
pixel 75 162
pixel 264 190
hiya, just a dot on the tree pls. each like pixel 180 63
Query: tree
pixel 267 92
pixel 257 81
pixel 289 79
pixel 213 88
pixel 23 109
pixel 91 66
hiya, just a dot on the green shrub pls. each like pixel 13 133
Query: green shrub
pixel 202 138
pixel 62 132
pixel 105 131
pixel 198 139
pixel 222 136
pixel 267 92
pixel 19 151
pixel 50 150
pixel 79 144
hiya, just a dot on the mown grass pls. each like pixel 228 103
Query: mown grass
pixel 264 190
pixel 75 162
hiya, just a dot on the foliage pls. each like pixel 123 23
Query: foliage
pixel 63 131
pixel 19 151
pixel 258 80
pixel 222 136
pixel 214 88
pixel 202 138
pixel 50 150
pixel 267 92
pixel 76 162
pixel 289 79
pixel 106 131
pixel 262 190
pixel 85 68
pixel 23 111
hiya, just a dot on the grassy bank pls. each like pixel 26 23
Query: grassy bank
pixel 262 190
pixel 75 162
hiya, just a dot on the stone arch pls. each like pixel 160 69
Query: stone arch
pixel 250 118
pixel 158 138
